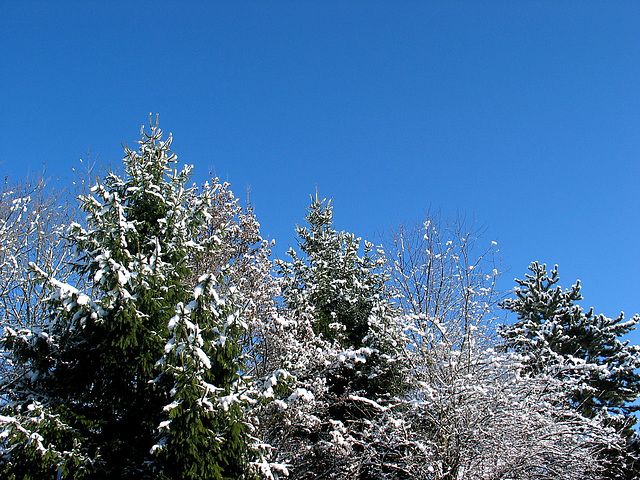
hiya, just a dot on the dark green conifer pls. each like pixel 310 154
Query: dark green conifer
pixel 138 377
pixel 586 350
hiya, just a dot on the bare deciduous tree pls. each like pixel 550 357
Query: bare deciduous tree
pixel 33 219
pixel 446 283
pixel 470 413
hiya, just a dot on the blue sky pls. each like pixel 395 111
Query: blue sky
pixel 524 116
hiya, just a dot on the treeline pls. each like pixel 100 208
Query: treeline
pixel 153 337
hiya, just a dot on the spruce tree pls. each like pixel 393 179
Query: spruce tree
pixel 552 328
pixel 138 376
pixel 345 290
pixel 347 357
pixel 583 349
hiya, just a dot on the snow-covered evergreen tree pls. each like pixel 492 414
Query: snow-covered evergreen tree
pixel 139 376
pixel 172 352
pixel 345 293
pixel 352 361
pixel 554 331
pixel 585 350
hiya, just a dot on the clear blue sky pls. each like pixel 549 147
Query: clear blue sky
pixel 523 115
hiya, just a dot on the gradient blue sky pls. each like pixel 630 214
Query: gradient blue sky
pixel 522 115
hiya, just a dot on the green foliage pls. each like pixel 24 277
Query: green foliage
pixel 104 368
pixel 169 357
pixel 40 445
pixel 204 439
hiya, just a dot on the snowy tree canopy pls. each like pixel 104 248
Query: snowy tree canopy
pixel 144 359
pixel 160 341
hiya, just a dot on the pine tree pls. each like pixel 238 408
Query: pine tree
pixel 139 376
pixel 585 350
